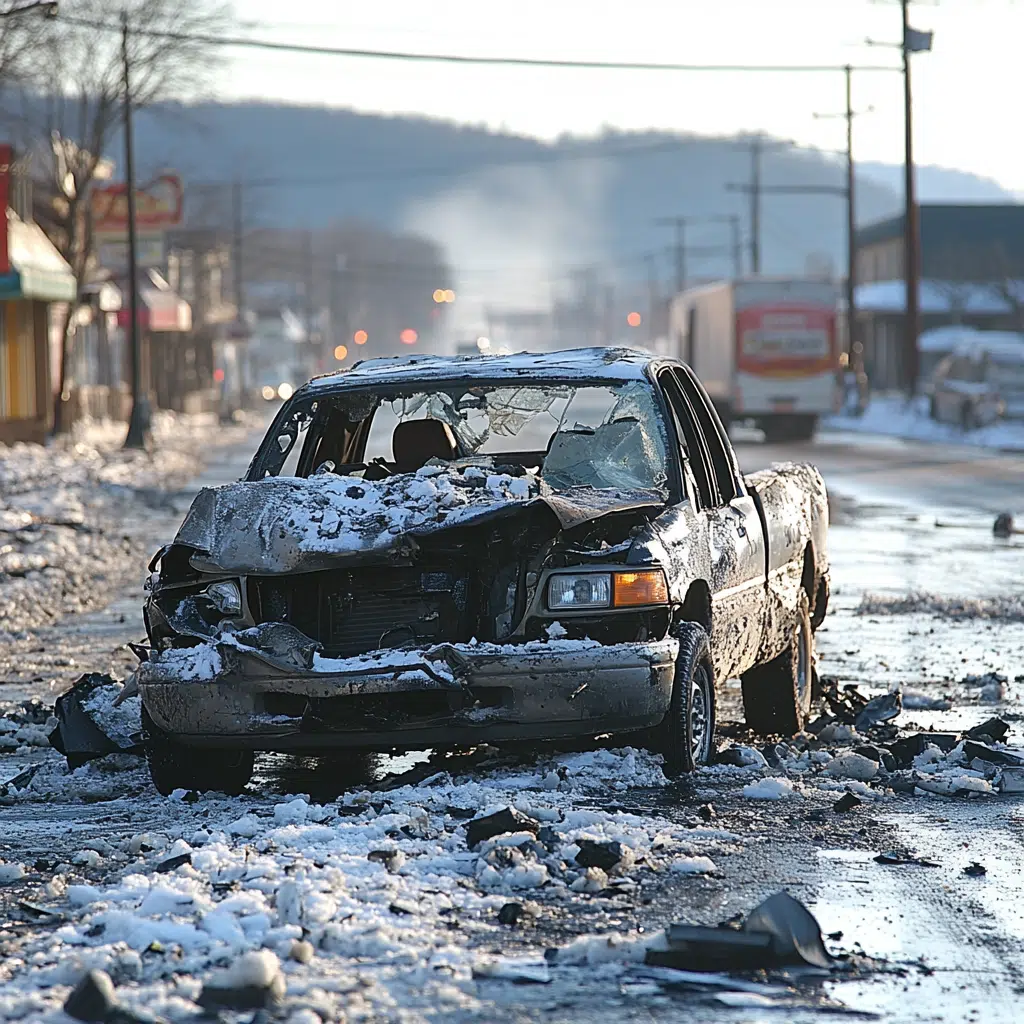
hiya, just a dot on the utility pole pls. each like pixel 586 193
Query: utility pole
pixel 753 190
pixel 237 256
pixel 139 422
pixel 855 352
pixel 755 205
pixel 679 248
pixel 651 259
pixel 911 229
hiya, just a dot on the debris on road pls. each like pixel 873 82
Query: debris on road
pixel 905 860
pixel 847 802
pixel 779 932
pixel 975 870
pixel 992 730
pixel 594 854
pixel 521 970
pixel 1011 780
pixel 253 982
pixel 507 820
pixel 878 711
pixel 852 766
pixel 89 727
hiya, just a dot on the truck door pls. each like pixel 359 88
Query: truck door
pixel 738 547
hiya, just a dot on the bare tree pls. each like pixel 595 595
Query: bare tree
pixel 70 107
pixel 22 26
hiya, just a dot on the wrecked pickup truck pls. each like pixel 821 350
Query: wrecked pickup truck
pixel 438 552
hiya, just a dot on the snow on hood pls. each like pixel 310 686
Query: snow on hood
pixel 295 524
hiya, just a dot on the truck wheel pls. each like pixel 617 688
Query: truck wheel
pixel 803 428
pixel 174 766
pixel 686 738
pixel 777 696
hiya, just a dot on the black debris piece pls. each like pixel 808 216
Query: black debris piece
pixel 835 936
pixel 698 948
pixel 391 859
pixel 1011 780
pixel 20 781
pixel 92 999
pixel 878 711
pixel 771 755
pixel 507 820
pixel 43 915
pixel 706 812
pixel 845 704
pixel 881 755
pixel 819 723
pixel 796 936
pixel 460 813
pixel 76 735
pixel 242 997
pixel 549 837
pixel 733 756
pixel 975 870
pixel 973 749
pixel 510 913
pixel 173 863
pixel 1003 526
pixel 778 932
pixel 903 782
pixel 846 802
pixel 906 748
pixel 593 854
pixel 905 860
pixel 993 730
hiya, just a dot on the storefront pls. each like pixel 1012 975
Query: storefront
pixel 33 275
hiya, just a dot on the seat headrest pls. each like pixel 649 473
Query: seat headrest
pixel 416 442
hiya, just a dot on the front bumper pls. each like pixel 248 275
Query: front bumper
pixel 447 695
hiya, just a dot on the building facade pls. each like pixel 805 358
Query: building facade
pixel 972 273
pixel 33 276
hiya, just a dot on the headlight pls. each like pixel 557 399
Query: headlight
pixel 620 589
pixel 587 590
pixel 285 391
pixel 225 597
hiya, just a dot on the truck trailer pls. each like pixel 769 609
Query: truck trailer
pixel 765 349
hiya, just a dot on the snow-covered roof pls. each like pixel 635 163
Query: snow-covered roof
pixel 937 297
pixel 612 364
pixel 957 337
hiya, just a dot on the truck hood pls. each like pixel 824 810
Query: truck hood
pixel 283 525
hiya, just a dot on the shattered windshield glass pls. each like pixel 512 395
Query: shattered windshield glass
pixel 576 435
pixel 594 435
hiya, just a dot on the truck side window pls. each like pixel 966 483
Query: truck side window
pixel 694 453
pixel 724 470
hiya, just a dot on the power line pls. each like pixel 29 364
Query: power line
pixel 452 58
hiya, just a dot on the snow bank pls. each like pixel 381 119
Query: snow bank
pixel 892 416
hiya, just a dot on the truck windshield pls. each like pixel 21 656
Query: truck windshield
pixel 573 435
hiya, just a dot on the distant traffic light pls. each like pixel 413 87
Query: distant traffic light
pixel 634 319
pixel 444 295
pixel 360 337
pixel 408 336
pixel 340 353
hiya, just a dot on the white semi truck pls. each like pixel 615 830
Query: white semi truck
pixel 765 349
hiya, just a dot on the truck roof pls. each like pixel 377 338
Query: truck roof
pixel 611 364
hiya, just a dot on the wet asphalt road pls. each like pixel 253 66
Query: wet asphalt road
pixel 885 539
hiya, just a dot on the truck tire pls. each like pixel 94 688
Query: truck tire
pixel 777 696
pixel 174 766
pixel 803 428
pixel 686 738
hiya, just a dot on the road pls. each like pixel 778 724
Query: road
pixel 908 519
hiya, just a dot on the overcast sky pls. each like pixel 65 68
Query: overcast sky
pixel 967 90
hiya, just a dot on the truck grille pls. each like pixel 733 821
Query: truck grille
pixel 365 610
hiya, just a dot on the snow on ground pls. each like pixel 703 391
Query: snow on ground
pixel 891 415
pixel 382 885
pixel 62 543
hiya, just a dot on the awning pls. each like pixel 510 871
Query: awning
pixel 37 271
pixel 159 310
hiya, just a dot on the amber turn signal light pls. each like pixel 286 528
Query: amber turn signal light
pixel 638 588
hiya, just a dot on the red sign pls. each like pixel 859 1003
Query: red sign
pixel 6 159
pixel 786 340
pixel 157 206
